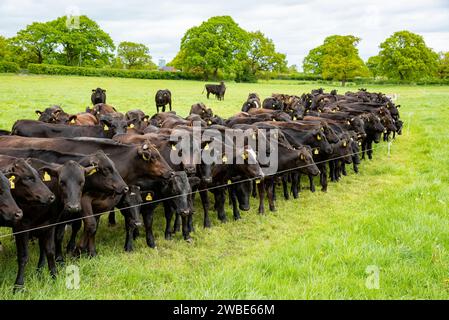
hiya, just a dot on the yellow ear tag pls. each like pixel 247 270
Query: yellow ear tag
pixel 206 147
pixel 94 170
pixel 360 143
pixel 294 118
pixel 301 156
pixel 209 122
pixel 73 121
pixel 244 156
pixel 254 136
pixel 344 144
pixel 229 181
pixel 274 120
pixel 106 128
pixel 257 181
pixel 322 129
pixel 131 126
pixel 47 177
pixel 316 151
pixel 11 181
pixel 145 120
pixel 348 123
pixel 318 137
pixel 173 147
pixel 149 197
pixel 224 159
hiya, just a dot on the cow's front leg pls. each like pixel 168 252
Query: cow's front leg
pixel 22 259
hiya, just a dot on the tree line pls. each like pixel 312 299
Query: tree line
pixel 220 49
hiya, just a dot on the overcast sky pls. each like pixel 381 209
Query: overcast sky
pixel 296 26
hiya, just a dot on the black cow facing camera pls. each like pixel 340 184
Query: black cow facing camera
pixel 98 96
pixel 163 97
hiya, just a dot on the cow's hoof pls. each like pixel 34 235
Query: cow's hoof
pixel 272 208
pixel 189 240
pixel 18 288
pixel 129 249
pixel 237 217
pixel 207 224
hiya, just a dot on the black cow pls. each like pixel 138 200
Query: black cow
pixel 162 98
pixel 218 90
pixel 98 96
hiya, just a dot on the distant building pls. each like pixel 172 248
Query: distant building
pixel 167 68
pixel 162 63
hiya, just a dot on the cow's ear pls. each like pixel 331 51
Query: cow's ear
pixel 47 173
pixel 145 119
pixel 93 90
pixel 88 171
pixel 144 152
pixel 398 106
pixel 72 119
pixel 38 112
pixel 105 120
pixel 104 90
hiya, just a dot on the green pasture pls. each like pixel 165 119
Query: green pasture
pixel 392 218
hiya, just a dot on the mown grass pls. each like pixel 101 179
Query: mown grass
pixel 392 215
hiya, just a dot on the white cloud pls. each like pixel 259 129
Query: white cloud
pixel 295 26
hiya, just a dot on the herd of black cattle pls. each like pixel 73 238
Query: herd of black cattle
pixel 65 169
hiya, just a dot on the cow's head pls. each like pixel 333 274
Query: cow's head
pixel 178 185
pixel 132 199
pixel 155 165
pixel 114 123
pixel 9 211
pixel 356 124
pixel 69 178
pixel 104 176
pixel 305 160
pixel 54 114
pixel 28 186
pixel 98 95
pixel 319 140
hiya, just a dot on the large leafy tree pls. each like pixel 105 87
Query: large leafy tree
pixel 217 44
pixel 405 56
pixel 35 41
pixel 373 65
pixel 337 58
pixel 83 45
pixel 135 55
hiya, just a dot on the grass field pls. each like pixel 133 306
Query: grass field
pixel 393 215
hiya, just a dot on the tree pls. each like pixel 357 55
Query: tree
pixel 373 65
pixel 86 45
pixel 5 50
pixel 35 41
pixel 217 44
pixel 293 69
pixel 337 58
pixel 262 55
pixel 443 65
pixel 135 55
pixel 405 56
